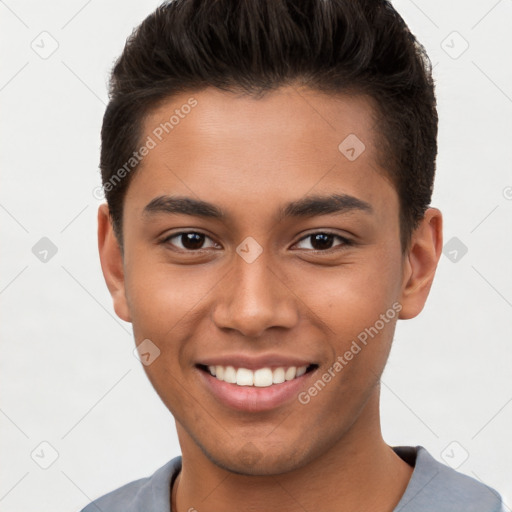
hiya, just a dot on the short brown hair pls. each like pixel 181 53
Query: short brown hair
pixel 255 46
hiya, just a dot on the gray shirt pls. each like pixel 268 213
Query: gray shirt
pixel 432 487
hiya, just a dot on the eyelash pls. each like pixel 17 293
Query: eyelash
pixel 345 241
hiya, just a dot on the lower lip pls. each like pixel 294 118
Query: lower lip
pixel 253 398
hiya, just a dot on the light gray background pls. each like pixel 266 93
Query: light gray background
pixel 68 374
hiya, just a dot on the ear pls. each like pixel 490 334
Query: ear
pixel 112 263
pixel 420 263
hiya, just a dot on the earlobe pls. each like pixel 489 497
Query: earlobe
pixel 112 263
pixel 421 263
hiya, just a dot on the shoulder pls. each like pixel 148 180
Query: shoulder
pixel 151 493
pixel 434 485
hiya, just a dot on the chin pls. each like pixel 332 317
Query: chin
pixel 251 461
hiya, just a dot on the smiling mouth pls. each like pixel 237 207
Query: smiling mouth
pixel 262 377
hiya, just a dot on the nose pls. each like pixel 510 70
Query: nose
pixel 253 298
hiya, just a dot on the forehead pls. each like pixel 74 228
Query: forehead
pixel 288 113
pixel 241 148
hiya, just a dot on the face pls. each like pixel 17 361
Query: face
pixel 254 244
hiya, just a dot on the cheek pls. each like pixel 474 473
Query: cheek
pixel 160 298
pixel 349 298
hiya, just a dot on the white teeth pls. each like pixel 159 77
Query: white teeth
pixel 263 377
pixel 278 376
pixel 301 370
pixel 244 377
pixel 230 374
pixel 290 373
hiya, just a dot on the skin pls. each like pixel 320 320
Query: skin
pixel 249 157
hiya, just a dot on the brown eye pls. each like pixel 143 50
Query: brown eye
pixel 189 240
pixel 322 241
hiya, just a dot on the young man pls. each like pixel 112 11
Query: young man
pixel 268 168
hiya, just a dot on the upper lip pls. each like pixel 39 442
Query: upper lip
pixel 255 362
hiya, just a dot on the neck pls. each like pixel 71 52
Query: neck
pixel 360 472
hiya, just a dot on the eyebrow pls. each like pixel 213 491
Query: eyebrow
pixel 309 206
